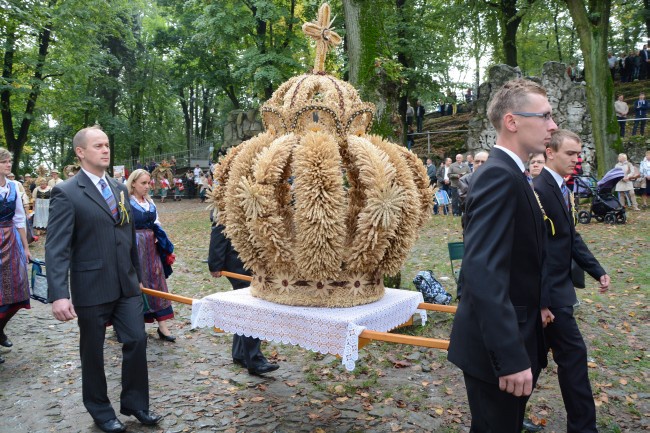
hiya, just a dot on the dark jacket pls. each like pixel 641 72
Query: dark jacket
pixel 82 237
pixel 223 257
pixel 564 245
pixel 640 108
pixel 497 329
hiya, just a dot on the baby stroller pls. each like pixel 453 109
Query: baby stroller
pixel 604 205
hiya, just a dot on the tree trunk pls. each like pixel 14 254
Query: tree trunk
pixel 188 120
pixel 352 39
pixel 646 6
pixel 593 28
pixel 510 21
pixel 15 143
pixel 557 33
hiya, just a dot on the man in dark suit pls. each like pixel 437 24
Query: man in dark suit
pixel 222 256
pixel 497 337
pixel 91 236
pixel 564 245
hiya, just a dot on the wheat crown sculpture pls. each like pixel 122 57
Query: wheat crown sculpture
pixel 309 237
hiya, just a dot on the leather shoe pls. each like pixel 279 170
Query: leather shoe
pixel 239 362
pixel 145 417
pixel 261 369
pixel 164 337
pixel 111 426
pixel 5 341
pixel 531 427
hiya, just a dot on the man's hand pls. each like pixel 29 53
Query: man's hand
pixel 517 384
pixel 216 274
pixel 604 283
pixel 547 317
pixel 63 310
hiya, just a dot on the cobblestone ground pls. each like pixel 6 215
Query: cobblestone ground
pixel 393 388
pixel 193 384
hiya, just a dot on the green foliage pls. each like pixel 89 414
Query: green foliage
pixel 156 72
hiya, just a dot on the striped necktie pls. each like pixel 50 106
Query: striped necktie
pixel 109 197
pixel 566 194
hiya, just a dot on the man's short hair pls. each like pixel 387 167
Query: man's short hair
pixel 79 139
pixel 511 97
pixel 558 137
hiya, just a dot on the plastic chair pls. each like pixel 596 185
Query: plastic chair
pixel 456 252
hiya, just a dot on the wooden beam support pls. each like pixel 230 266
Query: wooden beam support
pixel 402 339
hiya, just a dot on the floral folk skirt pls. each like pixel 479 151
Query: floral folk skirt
pixel 153 277
pixel 14 282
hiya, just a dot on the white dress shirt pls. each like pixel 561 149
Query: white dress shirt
pixel 19 213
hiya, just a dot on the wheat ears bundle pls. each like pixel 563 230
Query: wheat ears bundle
pixel 318 209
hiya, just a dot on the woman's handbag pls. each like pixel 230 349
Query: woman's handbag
pixel 38 289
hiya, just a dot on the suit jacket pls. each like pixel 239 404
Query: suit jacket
pixel 497 329
pixel 564 245
pixel 456 171
pixel 83 238
pixel 223 257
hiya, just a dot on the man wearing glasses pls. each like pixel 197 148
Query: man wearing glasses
pixel 497 338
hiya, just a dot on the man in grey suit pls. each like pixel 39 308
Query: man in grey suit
pixel 91 235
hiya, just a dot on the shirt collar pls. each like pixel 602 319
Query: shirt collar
pixel 514 157
pixel 559 179
pixel 94 178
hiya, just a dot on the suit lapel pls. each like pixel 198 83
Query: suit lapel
pixel 528 191
pixel 92 192
pixel 558 194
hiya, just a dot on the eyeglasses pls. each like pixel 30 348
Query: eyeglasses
pixel 545 116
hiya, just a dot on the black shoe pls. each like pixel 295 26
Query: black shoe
pixel 145 417
pixel 111 426
pixel 164 337
pixel 531 427
pixel 5 341
pixel 261 369
pixel 239 362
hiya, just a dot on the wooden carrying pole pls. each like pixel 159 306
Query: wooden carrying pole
pixel 365 337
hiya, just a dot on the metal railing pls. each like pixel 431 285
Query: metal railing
pixel 430 133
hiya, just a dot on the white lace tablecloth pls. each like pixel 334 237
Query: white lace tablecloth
pixel 325 330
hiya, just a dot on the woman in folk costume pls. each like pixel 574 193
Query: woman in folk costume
pixel 41 196
pixel 14 250
pixel 154 251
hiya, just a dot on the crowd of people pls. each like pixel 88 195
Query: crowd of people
pixel 631 66
pixel 640 108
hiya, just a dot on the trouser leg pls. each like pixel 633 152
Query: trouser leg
pixel 92 330
pixel 493 410
pixel 129 324
pixel 570 355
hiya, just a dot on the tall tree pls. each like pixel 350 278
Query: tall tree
pixel 592 22
pixel 16 135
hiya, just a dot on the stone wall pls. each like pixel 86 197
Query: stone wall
pixel 568 99
pixel 241 125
